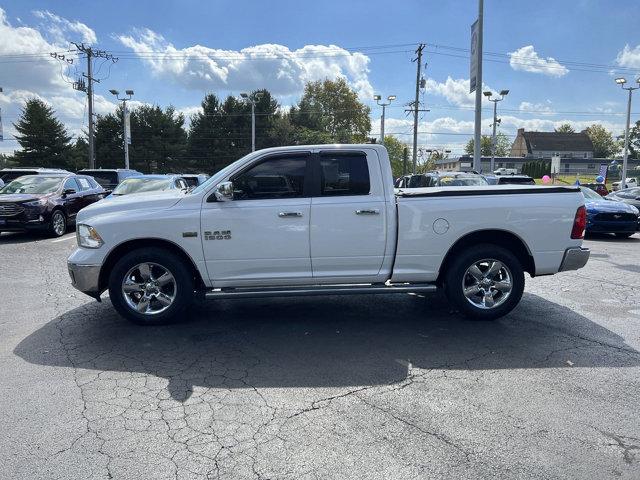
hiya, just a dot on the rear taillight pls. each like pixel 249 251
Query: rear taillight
pixel 579 223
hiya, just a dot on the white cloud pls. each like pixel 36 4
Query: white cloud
pixel 541 108
pixel 527 59
pixel 455 91
pixel 59 27
pixel 274 67
pixel 40 76
pixel 629 57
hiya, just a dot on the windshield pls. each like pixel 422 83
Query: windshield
pixel 460 181
pixel 7 177
pixel 37 184
pixel 103 178
pixel 629 193
pixel 141 184
pixel 588 193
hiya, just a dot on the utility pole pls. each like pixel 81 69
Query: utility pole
pixel 90 54
pixel 477 137
pixel 416 105
pixel 623 175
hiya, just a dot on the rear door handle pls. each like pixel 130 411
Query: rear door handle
pixel 289 214
pixel 372 211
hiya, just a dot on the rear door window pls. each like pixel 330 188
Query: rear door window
pixel 84 183
pixel 344 175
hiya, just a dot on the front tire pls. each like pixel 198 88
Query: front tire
pixel 151 286
pixel 485 282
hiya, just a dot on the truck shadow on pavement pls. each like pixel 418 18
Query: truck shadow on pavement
pixel 321 342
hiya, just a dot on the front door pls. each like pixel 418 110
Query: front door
pixel 73 201
pixel 348 217
pixel 262 235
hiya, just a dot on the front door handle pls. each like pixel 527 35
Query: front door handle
pixel 372 211
pixel 289 214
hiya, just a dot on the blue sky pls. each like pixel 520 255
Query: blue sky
pixel 554 57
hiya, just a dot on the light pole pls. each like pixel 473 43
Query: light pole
pixel 623 175
pixel 390 99
pixel 252 99
pixel 496 120
pixel 125 138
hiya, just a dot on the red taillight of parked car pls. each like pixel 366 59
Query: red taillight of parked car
pixel 579 223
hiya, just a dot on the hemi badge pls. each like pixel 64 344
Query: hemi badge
pixel 189 234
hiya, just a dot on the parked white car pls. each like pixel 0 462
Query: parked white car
pixel 324 220
pixel 505 171
pixel 629 182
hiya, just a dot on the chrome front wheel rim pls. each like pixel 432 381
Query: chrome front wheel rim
pixel 487 283
pixel 58 223
pixel 149 288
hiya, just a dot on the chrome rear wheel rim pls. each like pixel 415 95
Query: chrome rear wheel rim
pixel 58 223
pixel 487 283
pixel 149 288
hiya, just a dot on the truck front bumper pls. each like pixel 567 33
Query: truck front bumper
pixel 574 258
pixel 86 278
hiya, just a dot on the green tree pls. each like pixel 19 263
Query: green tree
pixel 332 108
pixel 634 140
pixel 206 144
pixel 158 139
pixel 109 148
pixel 79 154
pixel 43 138
pixel 503 145
pixel 604 145
pixel 395 148
pixel 565 128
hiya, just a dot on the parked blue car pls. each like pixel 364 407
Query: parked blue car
pixel 149 183
pixel 608 216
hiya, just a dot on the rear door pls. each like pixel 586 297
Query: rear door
pixel 88 194
pixel 348 217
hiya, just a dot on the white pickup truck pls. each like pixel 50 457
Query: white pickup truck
pixel 323 220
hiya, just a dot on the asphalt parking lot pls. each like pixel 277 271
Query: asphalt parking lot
pixel 339 387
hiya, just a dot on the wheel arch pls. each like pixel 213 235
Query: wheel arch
pixel 502 238
pixel 139 243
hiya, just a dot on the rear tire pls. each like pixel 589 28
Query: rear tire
pixel 58 224
pixel 485 282
pixel 151 286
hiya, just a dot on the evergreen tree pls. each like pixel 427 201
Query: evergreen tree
pixel 333 109
pixel 43 138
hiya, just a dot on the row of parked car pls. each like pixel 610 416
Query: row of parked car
pixel 48 200
pixel 616 212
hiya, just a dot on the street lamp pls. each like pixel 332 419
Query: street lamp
pixel 623 175
pixel 252 99
pixel 496 120
pixel 126 138
pixel 390 99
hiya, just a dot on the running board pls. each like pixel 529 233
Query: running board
pixel 312 290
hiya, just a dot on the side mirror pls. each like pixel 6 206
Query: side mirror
pixel 68 191
pixel 224 192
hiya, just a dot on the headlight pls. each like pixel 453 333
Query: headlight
pixel 88 237
pixel 36 203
